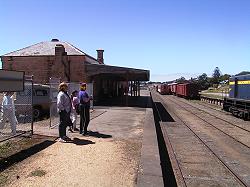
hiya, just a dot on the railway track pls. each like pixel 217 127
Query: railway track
pixel 232 118
pixel 203 118
pixel 239 172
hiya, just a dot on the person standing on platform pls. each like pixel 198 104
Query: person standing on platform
pixel 84 109
pixel 64 109
pixel 8 109
pixel 75 107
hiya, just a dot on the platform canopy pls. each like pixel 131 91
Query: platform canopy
pixel 118 73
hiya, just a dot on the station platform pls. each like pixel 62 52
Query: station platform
pixel 120 150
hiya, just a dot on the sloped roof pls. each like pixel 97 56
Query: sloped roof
pixel 46 49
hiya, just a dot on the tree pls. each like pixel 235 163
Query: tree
pixel 203 81
pixel 216 76
pixel 181 80
pixel 225 77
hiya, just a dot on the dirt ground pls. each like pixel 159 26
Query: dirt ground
pixel 103 163
pixel 17 149
pixel 109 158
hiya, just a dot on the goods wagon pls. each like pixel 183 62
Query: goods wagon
pixel 164 89
pixel 173 88
pixel 238 102
pixel 187 90
pixel 156 86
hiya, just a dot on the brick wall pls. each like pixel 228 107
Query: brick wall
pixel 44 67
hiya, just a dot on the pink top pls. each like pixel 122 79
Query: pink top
pixel 74 102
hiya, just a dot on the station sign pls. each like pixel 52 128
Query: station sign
pixel 11 80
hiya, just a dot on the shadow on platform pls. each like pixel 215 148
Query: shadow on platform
pixel 98 135
pixel 130 101
pixel 78 141
pixel 163 114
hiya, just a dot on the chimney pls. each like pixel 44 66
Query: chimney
pixel 59 50
pixel 100 56
pixel 54 40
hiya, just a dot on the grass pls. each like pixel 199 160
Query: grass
pixel 3 179
pixel 4 148
pixel 221 89
pixel 12 146
pixel 37 173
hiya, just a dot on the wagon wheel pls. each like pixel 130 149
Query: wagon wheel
pixel 37 113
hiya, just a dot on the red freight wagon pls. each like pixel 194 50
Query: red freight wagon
pixel 156 87
pixel 173 88
pixel 187 90
pixel 164 89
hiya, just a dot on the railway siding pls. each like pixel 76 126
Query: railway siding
pixel 204 155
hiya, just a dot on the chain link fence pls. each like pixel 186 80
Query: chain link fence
pixel 16 112
pixel 54 116
pixel 33 108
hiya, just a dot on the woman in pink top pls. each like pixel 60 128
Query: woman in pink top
pixel 75 102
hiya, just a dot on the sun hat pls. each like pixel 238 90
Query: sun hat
pixel 83 84
pixel 62 85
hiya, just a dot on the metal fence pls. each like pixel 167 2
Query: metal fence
pixel 33 108
pixel 16 112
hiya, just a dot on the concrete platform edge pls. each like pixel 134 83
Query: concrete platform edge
pixel 150 173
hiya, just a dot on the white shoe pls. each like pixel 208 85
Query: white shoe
pixel 62 140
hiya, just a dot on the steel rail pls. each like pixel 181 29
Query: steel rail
pixel 217 116
pixel 209 122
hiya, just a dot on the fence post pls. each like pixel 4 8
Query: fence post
pixel 32 103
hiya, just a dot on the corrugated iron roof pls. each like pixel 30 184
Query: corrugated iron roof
pixel 46 49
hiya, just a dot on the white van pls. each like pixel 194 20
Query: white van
pixel 42 98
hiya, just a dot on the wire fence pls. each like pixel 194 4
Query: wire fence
pixel 34 109
pixel 16 112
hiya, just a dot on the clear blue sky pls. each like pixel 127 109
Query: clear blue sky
pixel 171 38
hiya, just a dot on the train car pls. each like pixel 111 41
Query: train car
pixel 238 102
pixel 187 90
pixel 173 88
pixel 156 86
pixel 164 89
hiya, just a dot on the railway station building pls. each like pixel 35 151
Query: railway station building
pixel 62 60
